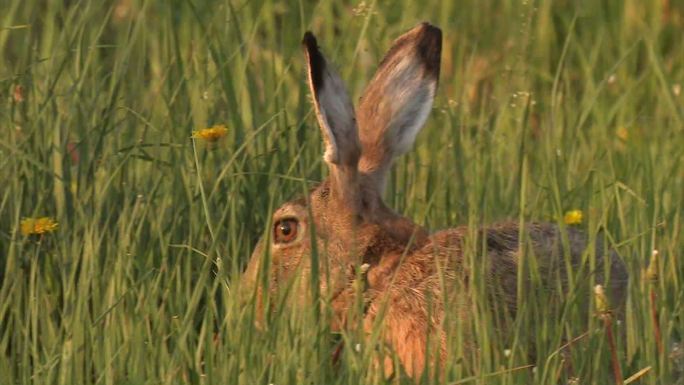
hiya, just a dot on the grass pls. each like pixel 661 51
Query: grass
pixel 543 107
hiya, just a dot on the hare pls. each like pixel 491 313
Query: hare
pixel 406 270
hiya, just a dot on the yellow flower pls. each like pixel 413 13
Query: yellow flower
pixel 573 217
pixel 38 225
pixel 622 133
pixel 211 134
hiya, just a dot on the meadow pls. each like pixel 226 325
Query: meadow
pixel 543 107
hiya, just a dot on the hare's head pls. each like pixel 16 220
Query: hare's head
pixel 343 220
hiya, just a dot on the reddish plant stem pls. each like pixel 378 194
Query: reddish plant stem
pixel 337 353
pixel 617 371
pixel 656 324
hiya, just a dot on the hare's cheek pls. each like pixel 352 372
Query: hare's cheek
pixel 285 265
pixel 281 272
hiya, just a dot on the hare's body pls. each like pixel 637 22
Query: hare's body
pixel 411 280
pixel 400 288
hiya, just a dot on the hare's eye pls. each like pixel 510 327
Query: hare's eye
pixel 285 230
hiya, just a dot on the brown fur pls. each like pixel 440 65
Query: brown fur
pixel 405 265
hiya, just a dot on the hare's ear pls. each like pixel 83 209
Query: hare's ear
pixel 337 120
pixel 398 100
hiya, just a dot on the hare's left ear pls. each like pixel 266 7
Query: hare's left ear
pixel 337 121
pixel 398 100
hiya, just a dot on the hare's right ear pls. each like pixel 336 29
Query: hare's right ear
pixel 337 121
pixel 398 100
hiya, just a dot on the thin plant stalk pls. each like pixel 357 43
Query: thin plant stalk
pixel 605 315
pixel 652 276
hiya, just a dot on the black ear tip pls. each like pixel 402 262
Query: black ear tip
pixel 429 37
pixel 309 41
pixel 430 29
pixel 429 46
pixel 316 62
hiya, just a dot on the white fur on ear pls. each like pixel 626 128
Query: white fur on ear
pixel 410 107
pixel 333 107
pixel 398 100
pixel 336 117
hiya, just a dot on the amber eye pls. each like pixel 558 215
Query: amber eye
pixel 285 230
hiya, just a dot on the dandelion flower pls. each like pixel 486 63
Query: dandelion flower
pixel 42 225
pixel 622 133
pixel 211 134
pixel 573 217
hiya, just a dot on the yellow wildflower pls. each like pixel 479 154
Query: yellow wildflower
pixel 622 133
pixel 38 225
pixel 211 134
pixel 573 217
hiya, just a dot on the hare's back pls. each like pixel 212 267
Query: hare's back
pixel 549 252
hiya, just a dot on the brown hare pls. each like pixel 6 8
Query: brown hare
pixel 407 272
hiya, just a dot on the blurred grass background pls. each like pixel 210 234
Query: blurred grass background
pixel 543 107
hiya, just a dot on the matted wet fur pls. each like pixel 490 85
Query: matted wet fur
pixel 409 271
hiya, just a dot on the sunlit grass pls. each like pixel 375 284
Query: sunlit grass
pixel 543 108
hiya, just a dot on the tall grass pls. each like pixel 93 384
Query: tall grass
pixel 543 106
